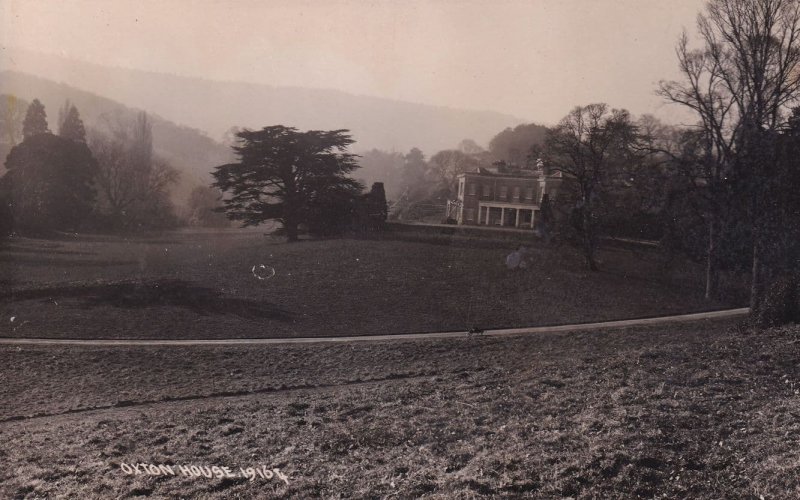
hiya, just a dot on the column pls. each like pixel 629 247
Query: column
pixel 488 209
pixel 502 216
pixel 533 218
pixel 516 224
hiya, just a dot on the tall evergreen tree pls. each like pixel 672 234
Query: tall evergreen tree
pixel 378 209
pixel 35 120
pixel 284 174
pixel 70 124
pixel 49 183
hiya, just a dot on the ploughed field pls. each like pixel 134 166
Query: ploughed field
pixel 234 283
pixel 702 410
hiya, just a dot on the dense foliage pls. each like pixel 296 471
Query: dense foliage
pixel 287 175
pixel 57 183
pixel 49 183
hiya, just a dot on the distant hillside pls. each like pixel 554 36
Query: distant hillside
pixel 187 149
pixel 216 106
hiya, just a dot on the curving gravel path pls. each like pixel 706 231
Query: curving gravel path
pixel 727 313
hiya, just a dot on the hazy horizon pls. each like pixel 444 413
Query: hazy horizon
pixel 530 60
pixel 229 81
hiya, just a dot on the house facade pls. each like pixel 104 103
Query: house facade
pixel 503 199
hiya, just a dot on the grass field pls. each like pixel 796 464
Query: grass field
pixel 705 410
pixel 201 285
pixel 696 410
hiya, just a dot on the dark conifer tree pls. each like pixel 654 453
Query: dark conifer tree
pixel 35 120
pixel 49 183
pixel 378 208
pixel 287 175
pixel 71 126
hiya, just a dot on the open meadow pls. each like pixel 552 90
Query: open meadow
pixel 244 284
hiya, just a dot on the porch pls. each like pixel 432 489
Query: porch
pixel 507 215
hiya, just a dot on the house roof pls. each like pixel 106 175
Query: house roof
pixel 520 174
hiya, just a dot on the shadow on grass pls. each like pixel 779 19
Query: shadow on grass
pixel 33 260
pixel 458 241
pixel 30 249
pixel 157 237
pixel 138 295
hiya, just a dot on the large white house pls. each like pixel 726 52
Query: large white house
pixel 490 197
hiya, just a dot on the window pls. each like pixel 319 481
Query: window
pixel 516 193
pixel 529 194
pixel 472 189
pixel 487 190
pixel 470 212
pixel 503 192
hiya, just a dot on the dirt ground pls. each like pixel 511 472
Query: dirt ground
pixel 213 285
pixel 703 410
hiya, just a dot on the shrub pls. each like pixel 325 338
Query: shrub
pixel 781 302
pixel 6 218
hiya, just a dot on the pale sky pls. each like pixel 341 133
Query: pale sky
pixel 533 59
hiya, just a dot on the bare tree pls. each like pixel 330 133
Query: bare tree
pixel 740 84
pixel 445 167
pixel 132 180
pixel 592 145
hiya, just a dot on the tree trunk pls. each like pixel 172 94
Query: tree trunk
pixel 758 268
pixel 756 283
pixel 712 274
pixel 117 219
pixel 291 230
pixel 588 239
pixel 590 263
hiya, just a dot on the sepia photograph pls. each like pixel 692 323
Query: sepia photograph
pixel 441 249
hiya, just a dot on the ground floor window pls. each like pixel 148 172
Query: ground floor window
pixel 510 217
pixel 526 217
pixel 494 216
pixel 506 217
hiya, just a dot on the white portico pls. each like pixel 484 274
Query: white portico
pixel 493 213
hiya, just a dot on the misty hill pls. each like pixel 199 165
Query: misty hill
pixel 216 106
pixel 189 150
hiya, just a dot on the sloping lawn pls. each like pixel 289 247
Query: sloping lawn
pixel 701 410
pixel 202 285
